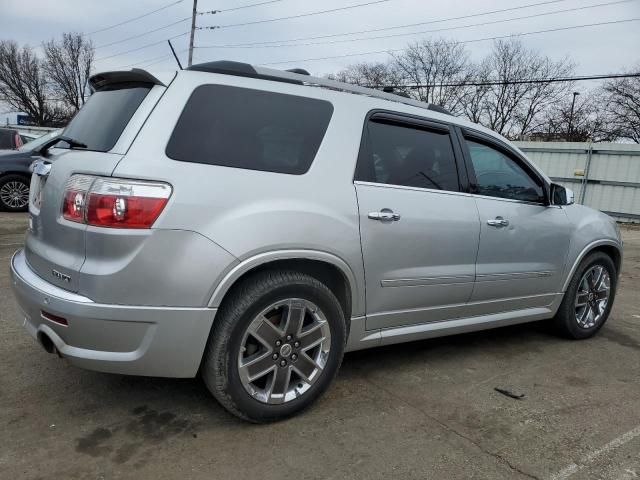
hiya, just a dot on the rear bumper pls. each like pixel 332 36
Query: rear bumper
pixel 132 340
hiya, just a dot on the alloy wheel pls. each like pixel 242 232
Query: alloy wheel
pixel 15 194
pixel 592 297
pixel 284 351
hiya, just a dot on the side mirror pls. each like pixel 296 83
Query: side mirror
pixel 561 195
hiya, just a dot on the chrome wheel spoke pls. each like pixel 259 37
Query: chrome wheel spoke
pixel 295 316
pixel 583 298
pixel 602 295
pixel 267 333
pixel 311 337
pixel 259 367
pixel 584 315
pixel 306 367
pixel 280 383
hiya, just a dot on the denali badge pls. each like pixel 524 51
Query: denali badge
pixel 61 276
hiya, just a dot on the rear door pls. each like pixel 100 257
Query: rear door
pixel 419 231
pixel 107 124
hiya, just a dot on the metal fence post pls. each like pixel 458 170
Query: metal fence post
pixel 585 179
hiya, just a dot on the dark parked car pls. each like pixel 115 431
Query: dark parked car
pixel 9 139
pixel 15 176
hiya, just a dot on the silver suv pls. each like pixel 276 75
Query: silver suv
pixel 252 225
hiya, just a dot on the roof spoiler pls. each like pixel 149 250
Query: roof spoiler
pixel 100 80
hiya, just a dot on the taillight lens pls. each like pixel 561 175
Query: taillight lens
pixel 75 193
pixel 117 203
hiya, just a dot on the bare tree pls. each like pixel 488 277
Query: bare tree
pixel 588 121
pixel 68 65
pixel 24 87
pixel 427 64
pixel 515 105
pixel 373 75
pixel 622 104
pixel 474 97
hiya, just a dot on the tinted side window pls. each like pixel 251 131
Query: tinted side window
pixel 497 175
pixel 398 155
pixel 252 129
pixel 101 120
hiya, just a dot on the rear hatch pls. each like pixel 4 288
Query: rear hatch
pixel 107 125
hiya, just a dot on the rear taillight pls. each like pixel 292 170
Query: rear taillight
pixel 114 202
pixel 75 193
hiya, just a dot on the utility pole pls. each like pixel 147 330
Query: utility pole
pixel 193 31
pixel 573 104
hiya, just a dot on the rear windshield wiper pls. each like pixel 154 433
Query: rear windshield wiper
pixel 44 149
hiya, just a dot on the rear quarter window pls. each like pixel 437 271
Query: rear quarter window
pixel 251 129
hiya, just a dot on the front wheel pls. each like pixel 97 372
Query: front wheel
pixel 589 297
pixel 276 345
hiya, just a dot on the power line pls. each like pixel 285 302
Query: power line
pixel 479 14
pixel 169 56
pixel 159 57
pixel 212 12
pixel 294 16
pixel 143 34
pixel 428 31
pixel 142 47
pixel 474 83
pixel 522 34
pixel 135 18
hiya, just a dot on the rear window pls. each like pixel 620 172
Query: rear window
pixel 101 120
pixel 251 129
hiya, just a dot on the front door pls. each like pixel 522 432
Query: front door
pixel 523 241
pixel 419 233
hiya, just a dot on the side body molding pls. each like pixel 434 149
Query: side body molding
pixel 357 291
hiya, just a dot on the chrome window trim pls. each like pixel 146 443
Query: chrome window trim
pixel 404 187
pixel 450 192
pixel 512 200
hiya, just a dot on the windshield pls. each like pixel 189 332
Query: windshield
pixel 34 144
pixel 101 120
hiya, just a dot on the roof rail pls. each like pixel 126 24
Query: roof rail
pixel 239 69
pixel 439 109
pixel 301 71
pixel 296 76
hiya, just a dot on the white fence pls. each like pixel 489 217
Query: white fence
pixel 28 129
pixel 605 176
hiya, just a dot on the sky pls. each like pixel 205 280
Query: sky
pixel 595 49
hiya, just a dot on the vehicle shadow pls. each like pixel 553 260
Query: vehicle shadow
pixel 191 395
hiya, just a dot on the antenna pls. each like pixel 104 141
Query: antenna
pixel 174 54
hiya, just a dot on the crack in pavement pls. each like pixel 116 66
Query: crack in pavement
pixel 495 455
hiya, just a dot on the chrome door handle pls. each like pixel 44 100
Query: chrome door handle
pixel 498 222
pixel 384 215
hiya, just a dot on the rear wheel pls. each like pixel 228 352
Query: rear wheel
pixel 14 193
pixel 589 297
pixel 276 345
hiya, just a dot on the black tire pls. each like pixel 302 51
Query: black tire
pixel 12 179
pixel 220 369
pixel 565 320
